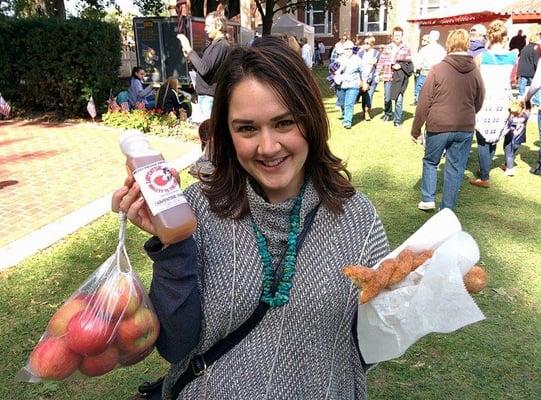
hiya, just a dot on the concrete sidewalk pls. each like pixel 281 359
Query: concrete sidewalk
pixel 57 177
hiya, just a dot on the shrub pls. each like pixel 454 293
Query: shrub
pixel 51 65
pixel 152 122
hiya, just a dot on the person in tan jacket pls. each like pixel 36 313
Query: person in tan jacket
pixel 451 96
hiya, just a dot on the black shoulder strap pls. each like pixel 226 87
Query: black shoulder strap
pixel 201 362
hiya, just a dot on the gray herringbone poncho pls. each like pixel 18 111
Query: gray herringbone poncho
pixel 305 349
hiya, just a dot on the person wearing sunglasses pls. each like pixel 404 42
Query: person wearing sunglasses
pixel 348 77
pixel 369 56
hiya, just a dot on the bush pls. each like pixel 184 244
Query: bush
pixel 151 122
pixel 51 65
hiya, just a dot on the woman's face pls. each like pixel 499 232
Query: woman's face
pixel 269 144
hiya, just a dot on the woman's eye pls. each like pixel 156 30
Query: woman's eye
pixel 246 128
pixel 286 123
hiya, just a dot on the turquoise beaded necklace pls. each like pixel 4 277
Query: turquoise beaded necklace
pixel 281 296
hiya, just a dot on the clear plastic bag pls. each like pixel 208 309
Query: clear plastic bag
pixel 107 322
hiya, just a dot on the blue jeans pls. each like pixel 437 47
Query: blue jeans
pixel 457 147
pixel 388 103
pixel 205 104
pixel 347 98
pixel 485 152
pixel 366 97
pixel 539 132
pixel 522 83
pixel 398 109
pixel 510 150
pixel 419 82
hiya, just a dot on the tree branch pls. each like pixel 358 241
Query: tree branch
pixel 259 7
pixel 297 3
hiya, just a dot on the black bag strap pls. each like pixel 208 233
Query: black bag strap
pixel 200 362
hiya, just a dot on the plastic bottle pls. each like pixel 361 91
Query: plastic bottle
pixel 169 211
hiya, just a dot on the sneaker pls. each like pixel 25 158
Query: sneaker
pixel 536 170
pixel 386 118
pixel 397 125
pixel 480 183
pixel 347 126
pixel 426 205
pixel 509 172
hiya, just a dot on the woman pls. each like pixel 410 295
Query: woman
pixel 369 59
pixel 168 99
pixel 136 93
pixel 269 134
pixel 496 64
pixel 449 123
pixel 348 77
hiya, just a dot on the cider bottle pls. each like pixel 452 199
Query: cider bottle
pixel 167 207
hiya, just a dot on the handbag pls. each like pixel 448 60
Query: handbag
pixel 201 362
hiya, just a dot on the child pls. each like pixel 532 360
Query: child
pixel 514 134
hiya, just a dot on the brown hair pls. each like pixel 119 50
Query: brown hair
pixel 270 61
pixel 371 40
pixel 170 83
pixel 457 40
pixel 496 32
pixel 398 29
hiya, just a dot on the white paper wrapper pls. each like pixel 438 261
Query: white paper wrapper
pixel 431 299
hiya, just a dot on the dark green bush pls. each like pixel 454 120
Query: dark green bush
pixel 48 65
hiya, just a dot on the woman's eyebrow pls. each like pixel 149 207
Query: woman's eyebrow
pixel 249 121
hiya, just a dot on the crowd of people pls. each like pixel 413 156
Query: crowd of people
pixel 480 67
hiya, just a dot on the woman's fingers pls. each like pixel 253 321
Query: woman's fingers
pixel 129 198
pixel 117 198
pixel 175 174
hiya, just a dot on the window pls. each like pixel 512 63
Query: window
pixel 372 20
pixel 320 19
pixel 429 6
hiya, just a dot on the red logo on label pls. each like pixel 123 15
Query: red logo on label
pixel 160 180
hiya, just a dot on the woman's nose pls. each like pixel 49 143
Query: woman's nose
pixel 268 143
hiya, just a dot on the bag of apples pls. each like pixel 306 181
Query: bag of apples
pixel 108 322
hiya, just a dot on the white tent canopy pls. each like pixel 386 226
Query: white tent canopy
pixel 286 23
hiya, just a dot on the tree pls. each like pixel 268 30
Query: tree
pixel 268 8
pixel 150 7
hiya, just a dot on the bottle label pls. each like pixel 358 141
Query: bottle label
pixel 159 187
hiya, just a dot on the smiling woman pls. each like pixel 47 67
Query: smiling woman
pixel 277 220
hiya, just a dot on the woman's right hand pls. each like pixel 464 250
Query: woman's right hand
pixel 129 200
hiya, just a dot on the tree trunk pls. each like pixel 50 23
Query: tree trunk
pixel 267 18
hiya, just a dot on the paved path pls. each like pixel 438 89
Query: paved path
pixel 56 177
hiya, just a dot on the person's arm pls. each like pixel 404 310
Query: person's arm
pixel 138 89
pixel 423 105
pixel 175 296
pixel 535 85
pixel 480 98
pixel 207 65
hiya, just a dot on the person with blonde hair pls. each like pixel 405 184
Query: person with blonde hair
pixel 168 99
pixel 496 65
pixel 453 92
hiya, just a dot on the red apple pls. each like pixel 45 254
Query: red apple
pixel 127 359
pixel 88 333
pixel 139 332
pixel 119 295
pixel 59 322
pixel 100 364
pixel 52 359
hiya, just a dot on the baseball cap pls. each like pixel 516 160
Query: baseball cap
pixel 479 29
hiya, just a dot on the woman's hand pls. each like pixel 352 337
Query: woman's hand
pixel 129 200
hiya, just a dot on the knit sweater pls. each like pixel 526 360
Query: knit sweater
pixel 302 350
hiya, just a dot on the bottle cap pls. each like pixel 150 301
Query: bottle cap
pixel 132 138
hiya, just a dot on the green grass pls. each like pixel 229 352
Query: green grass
pixel 498 358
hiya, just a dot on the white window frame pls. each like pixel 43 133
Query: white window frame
pixel 383 23
pixel 327 26
pixel 426 8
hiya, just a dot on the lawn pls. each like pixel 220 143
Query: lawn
pixel 498 358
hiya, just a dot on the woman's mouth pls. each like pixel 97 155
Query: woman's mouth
pixel 272 163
